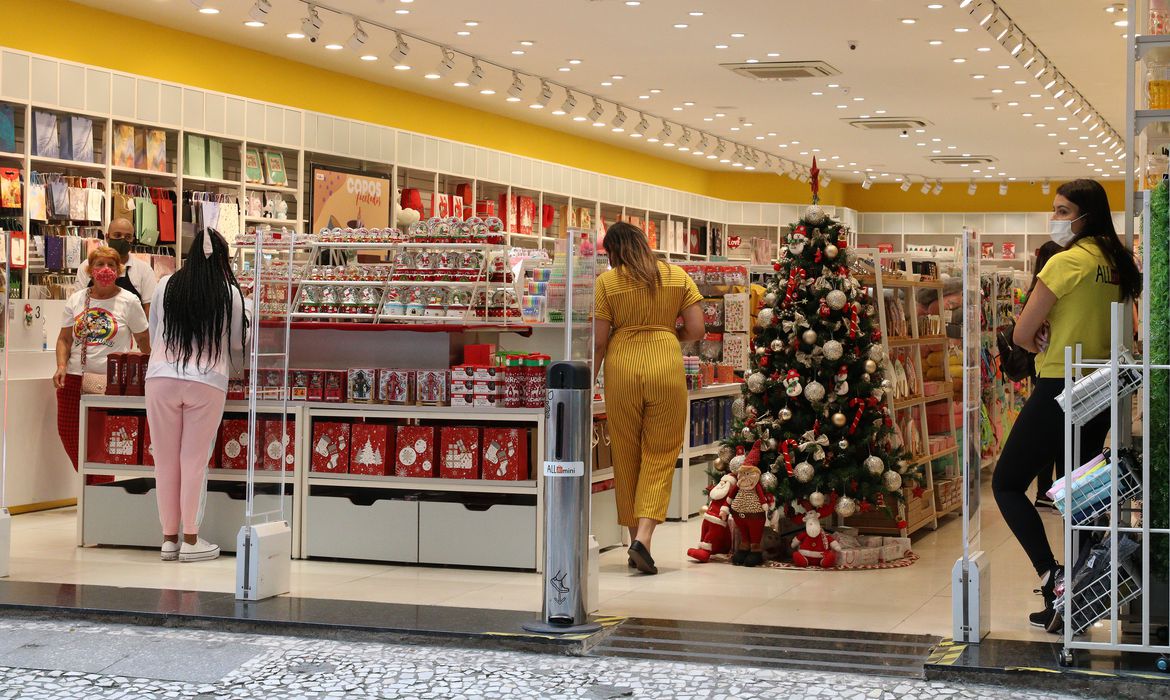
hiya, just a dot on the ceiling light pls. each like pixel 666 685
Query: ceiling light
pixel 978 76
pixel 971 188
pixel 487 91
pixel 958 60
pixel 934 6
pixel 463 32
pixel 640 129
pixel 695 13
pixel 516 89
pixel 618 120
pixel 445 66
pixel 960 30
pixel 905 186
pixel 935 42
pixel 372 57
pixel 259 12
pixel 200 5
pixel 545 96
pixel 334 47
pixel 596 112
pixel 528 42
pixel 359 37
pixel 518 52
pixel 681 26
pixel 633 3
pixel 937 187
pixel 908 20
pixel 471 23
pixel 925 187
pixel 664 135
pixel 684 144
pixel 568 105
pixel 720 46
pixel 575 61
pixel 866 183
pixel 737 35
pixel 401 50
pixel 311 25
pixel 983 49
pixel 295 35
pixel 704 144
pixel 1002 188
pixel 1045 187
pixel 474 76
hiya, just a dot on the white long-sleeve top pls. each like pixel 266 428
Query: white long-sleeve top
pixel 198 369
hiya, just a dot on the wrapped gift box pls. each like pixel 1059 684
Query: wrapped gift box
pixel 370 447
pixel 316 391
pixel 115 373
pixel 361 383
pixel 505 454
pixel 852 558
pixel 237 389
pixel 890 552
pixel 459 453
pixel 335 382
pixel 902 544
pixel 121 439
pixel 394 386
pixel 431 387
pixel 507 212
pixel 415 456
pixel 279 450
pixel 298 384
pixel 330 452
pixel 234 437
pixel 134 374
pixel 525 213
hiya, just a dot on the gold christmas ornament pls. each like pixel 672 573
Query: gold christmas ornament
pixel 831 251
pixel 839 419
pixel 817 499
pixel 809 337
pixel 785 415
pixel 870 366
pixel 804 472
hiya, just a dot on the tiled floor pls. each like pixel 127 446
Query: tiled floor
pixel 914 599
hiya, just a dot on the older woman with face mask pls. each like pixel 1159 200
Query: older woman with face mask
pixel 99 320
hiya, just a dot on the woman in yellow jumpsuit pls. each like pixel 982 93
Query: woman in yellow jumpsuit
pixel 637 303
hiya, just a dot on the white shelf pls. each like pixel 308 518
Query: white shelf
pixel 14 156
pixel 271 188
pixel 234 406
pixel 482 283
pixel 342 283
pixel 275 222
pixel 452 246
pixel 120 170
pixel 263 476
pixel 381 245
pixel 424 484
pixel 1145 117
pixel 455 320
pixel 211 181
pixel 77 164
pixel 365 318
pixel 601 475
pixel 346 410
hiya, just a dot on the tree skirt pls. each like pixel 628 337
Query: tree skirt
pixel 905 561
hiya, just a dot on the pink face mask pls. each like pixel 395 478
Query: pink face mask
pixel 104 276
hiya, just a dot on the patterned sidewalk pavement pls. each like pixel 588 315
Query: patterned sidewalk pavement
pixel 43 659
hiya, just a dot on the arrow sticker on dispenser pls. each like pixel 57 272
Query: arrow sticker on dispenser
pixel 564 468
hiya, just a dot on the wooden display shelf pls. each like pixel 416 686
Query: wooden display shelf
pixel 901 404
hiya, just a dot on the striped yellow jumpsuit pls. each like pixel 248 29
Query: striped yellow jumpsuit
pixel 645 390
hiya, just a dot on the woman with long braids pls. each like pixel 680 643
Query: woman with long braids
pixel 1069 306
pixel 197 323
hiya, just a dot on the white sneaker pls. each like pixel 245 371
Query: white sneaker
pixel 170 551
pixel 202 550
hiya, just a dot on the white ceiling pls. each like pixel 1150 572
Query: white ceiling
pixel 893 68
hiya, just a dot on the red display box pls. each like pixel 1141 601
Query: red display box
pixel 415 456
pixel 115 363
pixel 316 391
pixel 459 453
pixel 121 439
pixel 335 384
pixel 525 214
pixel 431 386
pixel 134 374
pixel 507 212
pixel 234 440
pixel 505 454
pixel 331 445
pixel 298 384
pixel 278 451
pixel 394 386
pixel 370 447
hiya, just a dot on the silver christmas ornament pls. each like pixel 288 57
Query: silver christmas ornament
pixel 770 298
pixel 836 299
pixel 892 480
pixel 755 382
pixel 809 337
pixel 814 391
pixel 760 350
pixel 804 472
pixel 785 415
pixel 876 353
pixel 833 350
pixel 870 310
pixel 737 408
pixel 870 366
pixel 777 345
pixel 903 465
pixel 765 318
pixel 874 465
pixel 846 507
pixel 815 215
pixel 736 462
pixel 831 251
pixel 725 454
pixel 747 432
pixel 843 444
pixel 768 481
pixel 817 499
pixel 770 444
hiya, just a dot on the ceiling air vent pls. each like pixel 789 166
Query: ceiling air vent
pixel 887 123
pixel 783 70
pixel 962 160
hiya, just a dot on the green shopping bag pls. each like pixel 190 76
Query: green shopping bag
pixel 146 221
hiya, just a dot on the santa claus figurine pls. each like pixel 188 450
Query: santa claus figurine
pixel 815 547
pixel 749 507
pixel 715 537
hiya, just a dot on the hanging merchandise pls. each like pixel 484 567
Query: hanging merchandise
pixel 73 252
pixel 46 141
pixel 95 205
pixel 7 129
pixel 18 245
pixel 10 188
pixel 37 199
pixel 145 218
pixel 164 202
pixel 124 207
pixel 58 191
pixel 81 139
pixel 156 150
pixel 123 146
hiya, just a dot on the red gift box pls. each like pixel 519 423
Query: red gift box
pixel 505 454
pixel 148 451
pixel 122 439
pixel 416 451
pixel 525 214
pixel 134 374
pixel 507 212
pixel 394 386
pixel 335 384
pixel 431 386
pixel 237 389
pixel 459 453
pixel 370 447
pixel 330 451
pixel 298 384
pixel 114 372
pixel 95 433
pixel 479 354
pixel 316 385
pixel 276 450
pixel 485 208
pixel 234 440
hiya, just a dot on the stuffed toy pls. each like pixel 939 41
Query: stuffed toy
pixel 749 506
pixel 715 537
pixel 403 218
pixel 815 547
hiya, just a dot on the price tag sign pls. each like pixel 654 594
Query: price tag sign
pixel 564 468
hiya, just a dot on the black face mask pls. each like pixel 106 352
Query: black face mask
pixel 121 245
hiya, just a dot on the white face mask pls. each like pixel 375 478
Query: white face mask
pixel 1061 231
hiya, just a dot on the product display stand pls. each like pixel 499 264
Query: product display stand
pixel 263 563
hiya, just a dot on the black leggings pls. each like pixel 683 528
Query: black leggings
pixel 1036 443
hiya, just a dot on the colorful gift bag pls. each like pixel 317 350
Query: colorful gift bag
pixel 37 204
pixel 123 146
pixel 82 138
pixel 47 142
pixel 95 204
pixel 215 159
pixel 146 221
pixel 7 129
pixel 156 150
pixel 195 164
pixel 10 188
pixel 164 202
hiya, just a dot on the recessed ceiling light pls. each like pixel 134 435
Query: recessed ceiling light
pixel 471 23
pixel 859 99
pixel 934 6
pixel 879 111
pixel 773 54
pixel 463 33
pixel 253 23
pixel 720 114
pixel 643 97
pixel 487 91
pixel 295 35
pixel 655 91
pixel 720 46
pixel 1019 82
pixel 958 60
pixel 708 119
pixel 983 49
pixel 842 106
pixel 935 42
pixel 575 61
pixel 978 76
pixel 607 84
pixel 752 60
pixel 633 3
pixel 689 104
pixel 518 52
pixel 370 57
pixel 402 12
pixel 996 91
pixel 564 69
pixel 834 85
pixel 1003 67
pixel 737 35
pixel 677 109
pixel 334 47
pixel 908 20
pixel 528 42
pixel 817 94
pixel 617 77
pixel 696 13
pixel 1026 114
pixel 681 26
pixel 960 30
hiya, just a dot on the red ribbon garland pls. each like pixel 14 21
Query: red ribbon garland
pixel 787 457
pixel 793 276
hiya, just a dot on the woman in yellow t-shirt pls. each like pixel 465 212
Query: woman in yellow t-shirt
pixel 1069 306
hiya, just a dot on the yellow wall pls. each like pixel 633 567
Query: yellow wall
pixel 1021 196
pixel 87 35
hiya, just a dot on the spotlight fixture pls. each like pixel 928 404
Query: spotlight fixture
pixel 905 186
pixel 311 25
pixel 596 112
pixel 1003 188
pixel 826 179
pixel 640 129
pixel 474 77
pixel 937 187
pixel 1045 187
pixel 792 174
pixel 398 55
pixel 684 144
pixel 866 183
pixel 704 144
pixel 664 135
pixel 568 105
pixel 516 89
pixel 200 5
pixel 259 13
pixel 925 187
pixel 359 37
pixel 545 95
pixel 971 188
pixel 445 66
pixel 720 147
pixel 618 120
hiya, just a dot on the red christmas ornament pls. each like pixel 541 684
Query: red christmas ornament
pixel 801 229
pixel 776 267
pixel 918 491
pixel 824 310
pixel 775 378
pixel 764 361
pixel 817 257
pixel 866 506
pixel 902 524
pixel 876 335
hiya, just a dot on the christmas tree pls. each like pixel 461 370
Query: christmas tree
pixel 814 395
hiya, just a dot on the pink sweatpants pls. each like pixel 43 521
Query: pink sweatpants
pixel 184 417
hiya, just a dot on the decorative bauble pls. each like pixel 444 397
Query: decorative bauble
pixel 725 454
pixel 736 462
pixel 833 350
pixel 870 310
pixel 755 382
pixel 765 318
pixel 785 415
pixel 836 299
pixel 903 465
pixel 809 337
pixel 886 384
pixel 831 251
pixel 747 432
pixel 770 298
pixel 814 391
pixel 892 480
pixel 876 353
pixel 737 408
pixel 817 499
pixel 870 366
pixel 815 215
pixel 804 472
pixel 770 444
pixel 846 507
pixel 843 444
pixel 874 464
pixel 865 377
pixel 839 419
pixel 768 481
pixel 776 345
